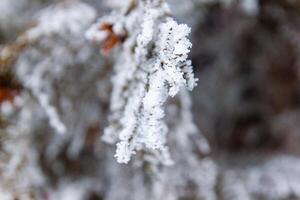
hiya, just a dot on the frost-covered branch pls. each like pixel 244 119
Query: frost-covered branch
pixel 151 66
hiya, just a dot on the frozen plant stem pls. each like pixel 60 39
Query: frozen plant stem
pixel 151 66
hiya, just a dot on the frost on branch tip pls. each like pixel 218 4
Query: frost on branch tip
pixel 152 65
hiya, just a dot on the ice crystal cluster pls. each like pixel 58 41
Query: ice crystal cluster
pixel 152 66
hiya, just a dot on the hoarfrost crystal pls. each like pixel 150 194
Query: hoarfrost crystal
pixel 152 66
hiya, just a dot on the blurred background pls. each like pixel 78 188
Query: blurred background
pixel 246 54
